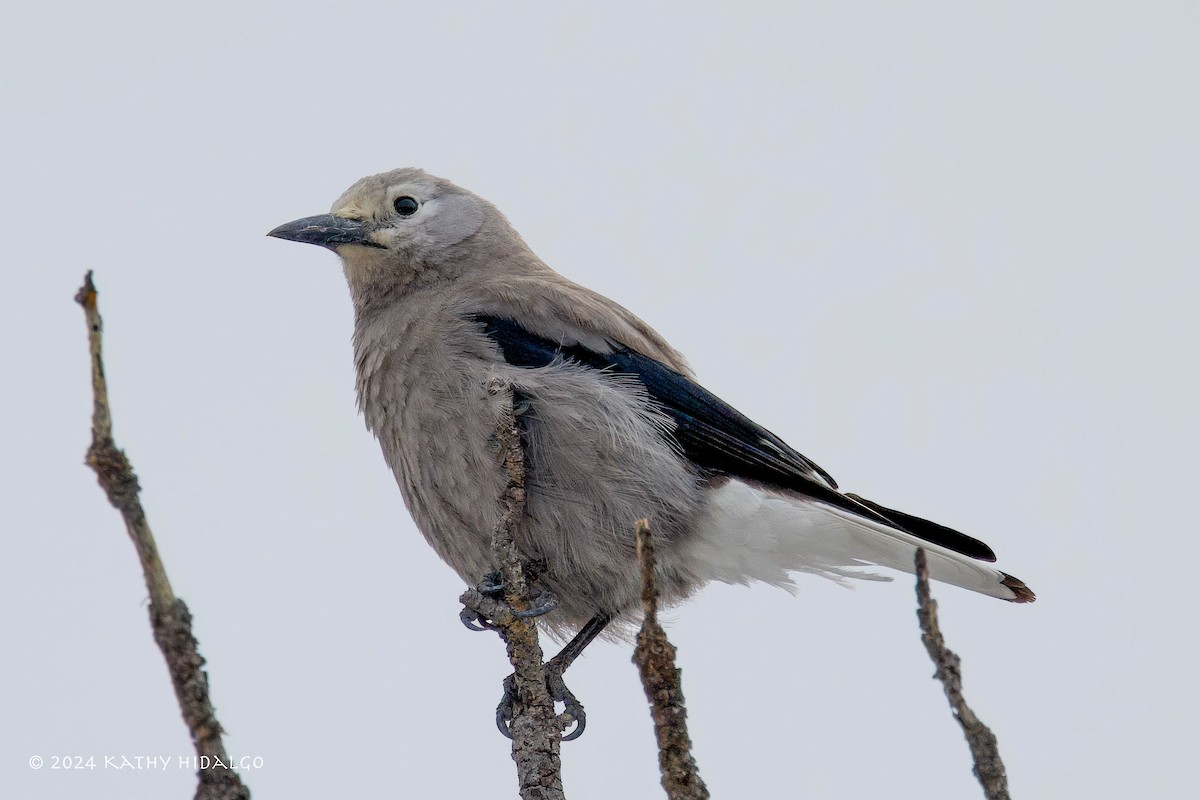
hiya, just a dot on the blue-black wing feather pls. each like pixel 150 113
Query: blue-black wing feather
pixel 714 436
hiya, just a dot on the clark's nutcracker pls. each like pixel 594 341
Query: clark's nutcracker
pixel 448 297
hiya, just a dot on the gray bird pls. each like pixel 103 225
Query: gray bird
pixel 447 297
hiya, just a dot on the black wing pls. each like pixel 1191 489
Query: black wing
pixel 716 437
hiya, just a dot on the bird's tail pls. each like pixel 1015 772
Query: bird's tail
pixel 750 533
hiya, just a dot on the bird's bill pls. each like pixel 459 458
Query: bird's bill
pixel 325 230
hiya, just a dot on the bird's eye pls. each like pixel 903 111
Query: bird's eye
pixel 406 206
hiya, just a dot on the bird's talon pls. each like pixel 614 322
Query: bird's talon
pixel 542 604
pixel 492 585
pixel 580 724
pixel 474 621
pixel 504 711
pixel 572 709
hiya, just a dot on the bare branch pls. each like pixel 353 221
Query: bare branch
pixel 985 750
pixel 536 729
pixel 169 617
pixel 655 658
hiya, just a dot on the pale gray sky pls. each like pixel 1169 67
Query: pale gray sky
pixel 948 252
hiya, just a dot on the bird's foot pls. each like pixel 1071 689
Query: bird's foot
pixel 572 713
pixel 544 603
pixel 491 613
pixel 492 586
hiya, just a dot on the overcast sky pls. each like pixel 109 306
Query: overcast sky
pixel 949 252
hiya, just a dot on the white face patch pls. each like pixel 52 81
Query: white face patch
pixel 451 219
pixel 437 223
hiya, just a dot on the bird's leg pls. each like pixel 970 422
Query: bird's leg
pixel 579 643
pixel 555 667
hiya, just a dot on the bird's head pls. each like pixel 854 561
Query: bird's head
pixel 391 228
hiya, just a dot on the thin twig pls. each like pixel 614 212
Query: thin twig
pixel 655 658
pixel 536 729
pixel 985 751
pixel 169 617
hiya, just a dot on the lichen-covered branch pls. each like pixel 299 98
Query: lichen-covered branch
pixel 169 617
pixel 985 750
pixel 655 659
pixel 536 729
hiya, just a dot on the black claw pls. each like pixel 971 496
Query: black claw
pixel 504 711
pixel 572 708
pixel 542 604
pixel 503 718
pixel 492 585
pixel 580 724
pixel 474 621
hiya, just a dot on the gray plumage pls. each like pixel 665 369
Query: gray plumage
pixel 604 448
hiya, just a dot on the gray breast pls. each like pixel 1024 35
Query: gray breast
pixel 596 459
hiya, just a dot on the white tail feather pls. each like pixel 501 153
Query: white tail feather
pixel 753 534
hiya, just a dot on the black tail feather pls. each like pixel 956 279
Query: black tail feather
pixel 931 531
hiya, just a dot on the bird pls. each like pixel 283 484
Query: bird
pixel 448 298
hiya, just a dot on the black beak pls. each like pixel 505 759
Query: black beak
pixel 325 230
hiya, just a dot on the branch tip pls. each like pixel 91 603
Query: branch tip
pixel 86 296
